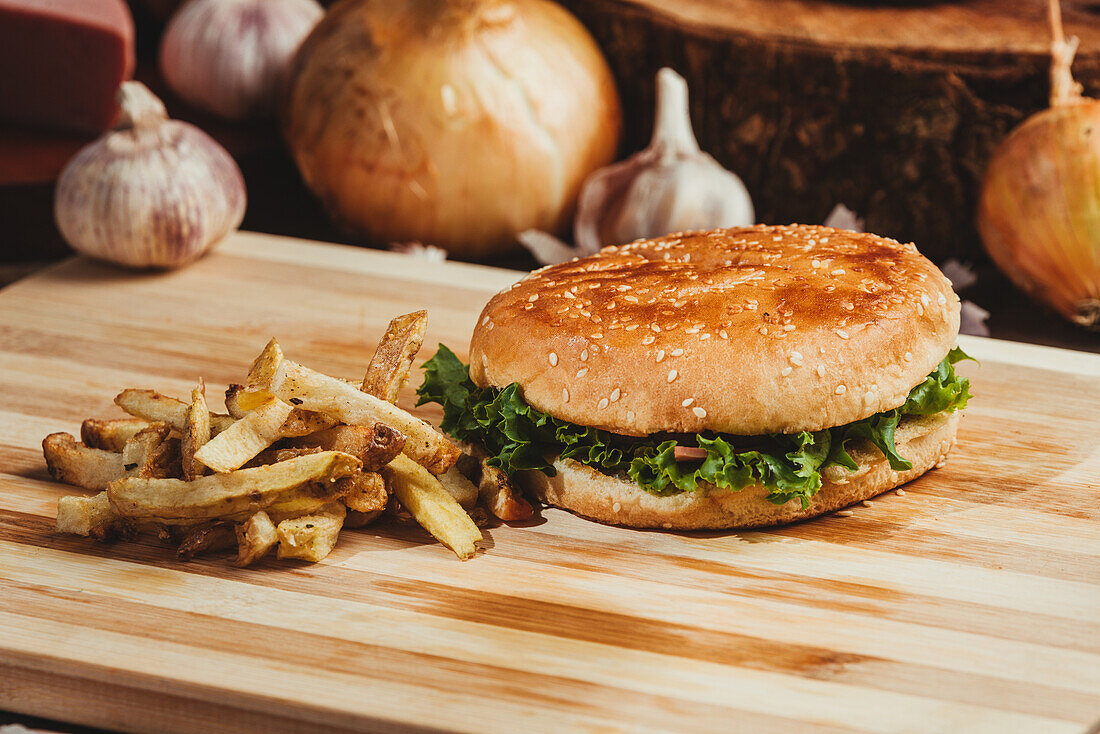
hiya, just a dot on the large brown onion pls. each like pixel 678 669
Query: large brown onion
pixel 456 123
pixel 1039 212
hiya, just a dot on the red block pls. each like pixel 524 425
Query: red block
pixel 62 61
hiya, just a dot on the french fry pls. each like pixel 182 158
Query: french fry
pixel 501 496
pixel 311 537
pixel 336 399
pixel 432 506
pixel 459 487
pixel 209 538
pixel 360 519
pixel 375 446
pixel 110 435
pixel 198 433
pixel 246 438
pixel 298 423
pixel 84 515
pixel 74 463
pixel 256 536
pixel 155 407
pixel 389 368
pixel 366 492
pixel 235 494
pixel 152 454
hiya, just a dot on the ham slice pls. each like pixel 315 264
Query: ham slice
pixel 62 61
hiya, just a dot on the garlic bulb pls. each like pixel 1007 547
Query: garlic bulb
pixel 153 192
pixel 229 57
pixel 1039 210
pixel 671 186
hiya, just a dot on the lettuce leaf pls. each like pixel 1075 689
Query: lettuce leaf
pixel 519 437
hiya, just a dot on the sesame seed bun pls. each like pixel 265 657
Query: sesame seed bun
pixel 744 331
pixel 618 501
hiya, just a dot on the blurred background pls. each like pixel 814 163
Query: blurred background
pixel 459 128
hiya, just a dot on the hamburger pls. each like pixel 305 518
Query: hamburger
pixel 734 378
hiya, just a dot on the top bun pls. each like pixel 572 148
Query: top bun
pixel 745 331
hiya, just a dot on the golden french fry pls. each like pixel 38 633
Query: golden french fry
pixel 312 390
pixel 155 407
pixel 239 493
pixel 298 423
pixel 366 492
pixel 84 515
pixel 256 536
pixel 152 453
pixel 198 432
pixel 246 438
pixel 375 446
pixel 389 368
pixel 433 507
pixel 459 487
pixel 110 435
pixel 74 463
pixel 208 538
pixel 501 496
pixel 311 537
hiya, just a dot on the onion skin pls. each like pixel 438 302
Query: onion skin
pixel 1039 211
pixel 229 57
pixel 456 123
pixel 156 194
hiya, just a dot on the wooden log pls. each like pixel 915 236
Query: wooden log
pixel 891 110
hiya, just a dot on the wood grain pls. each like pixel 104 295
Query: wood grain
pixel 970 603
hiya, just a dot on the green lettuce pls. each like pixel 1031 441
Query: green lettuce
pixel 519 437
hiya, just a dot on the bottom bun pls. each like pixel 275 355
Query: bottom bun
pixel 925 441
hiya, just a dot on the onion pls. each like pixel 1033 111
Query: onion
pixel 1039 211
pixel 456 123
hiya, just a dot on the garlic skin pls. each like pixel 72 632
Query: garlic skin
pixel 153 192
pixel 229 57
pixel 671 186
pixel 1039 208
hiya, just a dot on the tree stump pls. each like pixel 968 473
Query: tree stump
pixel 891 109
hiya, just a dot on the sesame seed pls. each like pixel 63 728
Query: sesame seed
pixel 723 334
pixel 553 359
pixel 908 356
pixel 785 371
pixel 656 329
pixel 920 309
pixel 869 397
pixel 616 507
pixel 485 320
pixel 763 330
pixel 704 337
pixel 630 415
pixel 666 525
pixel 796 359
pixel 838 271
pixel 687 403
pixel 941 299
pixel 788 327
pixel 565 395
pixel 900 492
pixel 597 335
pixel 631 299
pixel 569 294
pixel 672 375
pixel 676 352
pixel 490 326
pixel 649 339
pixel 842 333
pixel 631 327
pixel 584 355
pixel 660 355
pixel 528 306
pixel 924 299
pixel 845 513
pixel 868 503
pixel 692 330
pixel 699 412
pixel 533 298
pixel 840 389
pixel 602 404
pixel 615 395
pixel 582 372
pixel 816 263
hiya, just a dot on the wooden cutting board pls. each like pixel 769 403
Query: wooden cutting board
pixel 971 603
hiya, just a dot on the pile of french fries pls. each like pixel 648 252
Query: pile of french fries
pixel 297 457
